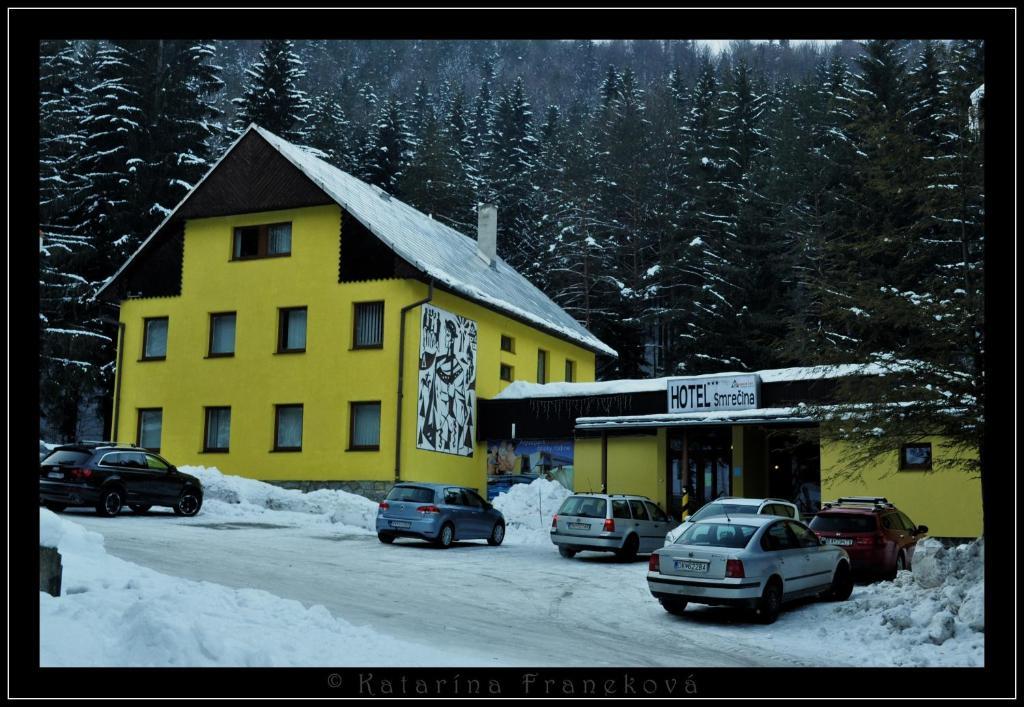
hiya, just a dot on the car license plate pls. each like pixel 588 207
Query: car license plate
pixel 56 475
pixel 838 541
pixel 580 526
pixel 691 566
pixel 400 524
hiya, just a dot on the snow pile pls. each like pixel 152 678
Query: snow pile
pixel 528 509
pixel 116 613
pixel 236 497
pixel 933 615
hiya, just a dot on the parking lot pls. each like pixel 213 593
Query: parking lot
pixel 518 604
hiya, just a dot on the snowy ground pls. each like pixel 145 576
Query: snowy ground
pixel 267 576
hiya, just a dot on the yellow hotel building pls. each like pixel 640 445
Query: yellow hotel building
pixel 291 323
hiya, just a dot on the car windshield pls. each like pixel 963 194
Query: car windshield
pixel 583 507
pixel 67 456
pixel 413 494
pixel 843 523
pixel 717 535
pixel 724 509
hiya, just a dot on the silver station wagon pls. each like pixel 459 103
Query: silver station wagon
pixel 625 525
pixel 753 561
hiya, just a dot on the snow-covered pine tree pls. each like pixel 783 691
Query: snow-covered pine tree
pixel 273 98
pixel 329 130
pixel 388 149
pixel 576 255
pixel 626 178
pixel 902 287
pixel 512 163
pixel 148 126
pixel 433 181
pixel 69 374
pixel 482 135
pixel 728 210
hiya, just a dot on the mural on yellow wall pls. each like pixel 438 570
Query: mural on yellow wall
pixel 447 382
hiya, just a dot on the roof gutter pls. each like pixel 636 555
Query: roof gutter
pixel 401 376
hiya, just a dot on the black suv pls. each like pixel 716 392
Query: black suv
pixel 109 476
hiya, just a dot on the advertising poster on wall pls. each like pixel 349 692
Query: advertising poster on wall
pixel 511 462
pixel 447 383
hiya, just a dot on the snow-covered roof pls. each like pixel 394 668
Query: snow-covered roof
pixel 680 419
pixel 522 389
pixel 438 251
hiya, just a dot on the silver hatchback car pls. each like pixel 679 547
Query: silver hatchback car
pixel 439 513
pixel 625 525
pixel 753 561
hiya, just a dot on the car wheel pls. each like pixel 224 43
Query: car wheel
pixel 56 507
pixel 842 584
pixel 566 552
pixel 901 564
pixel 497 534
pixel 188 503
pixel 674 606
pixel 386 538
pixel 110 502
pixel 629 550
pixel 139 508
pixel 771 602
pixel 446 536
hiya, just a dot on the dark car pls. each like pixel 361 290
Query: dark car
pixel 440 513
pixel 878 537
pixel 109 477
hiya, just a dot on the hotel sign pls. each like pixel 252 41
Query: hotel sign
pixel 714 393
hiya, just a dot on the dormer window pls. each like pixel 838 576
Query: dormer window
pixel 271 240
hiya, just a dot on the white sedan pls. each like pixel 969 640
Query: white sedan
pixel 752 561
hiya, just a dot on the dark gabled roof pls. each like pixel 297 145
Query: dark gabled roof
pixel 438 251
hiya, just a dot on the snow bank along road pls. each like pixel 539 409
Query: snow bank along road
pixel 518 604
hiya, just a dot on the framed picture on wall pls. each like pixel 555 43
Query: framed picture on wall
pixel 916 457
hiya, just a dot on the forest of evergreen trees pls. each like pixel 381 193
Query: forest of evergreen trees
pixel 773 205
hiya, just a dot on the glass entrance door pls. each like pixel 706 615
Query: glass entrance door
pixel 710 460
pixel 699 466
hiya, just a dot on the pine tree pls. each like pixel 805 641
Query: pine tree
pixel 574 259
pixel 626 179
pixel 482 136
pixel 512 165
pixel 68 346
pixel 330 131
pixel 388 149
pixel 148 121
pixel 273 98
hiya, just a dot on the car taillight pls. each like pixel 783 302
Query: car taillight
pixel 554 521
pixel 609 525
pixel 734 568
pixel 878 539
pixel 383 505
pixel 428 509
pixel 81 473
pixel 654 564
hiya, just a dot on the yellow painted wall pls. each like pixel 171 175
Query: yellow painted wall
pixel 948 501
pixel 325 379
pixel 636 465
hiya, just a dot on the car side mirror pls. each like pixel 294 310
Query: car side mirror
pixel 921 530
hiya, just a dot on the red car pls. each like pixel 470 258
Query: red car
pixel 878 537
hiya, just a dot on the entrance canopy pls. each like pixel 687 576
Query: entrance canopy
pixel 758 416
